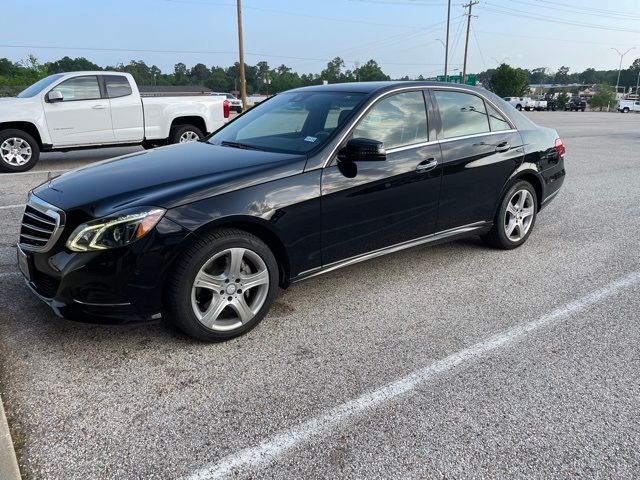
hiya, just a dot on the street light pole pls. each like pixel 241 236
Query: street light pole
pixel 243 80
pixel 620 66
pixel 446 47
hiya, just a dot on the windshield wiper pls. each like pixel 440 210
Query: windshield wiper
pixel 239 145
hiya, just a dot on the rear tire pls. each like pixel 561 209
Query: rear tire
pixel 19 151
pixel 185 134
pixel 515 218
pixel 222 286
pixel 519 107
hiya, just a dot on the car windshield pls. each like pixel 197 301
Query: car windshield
pixel 40 85
pixel 294 122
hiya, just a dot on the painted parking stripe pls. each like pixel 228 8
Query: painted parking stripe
pixel 274 447
pixel 9 207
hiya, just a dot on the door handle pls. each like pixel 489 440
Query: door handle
pixel 503 147
pixel 98 107
pixel 427 165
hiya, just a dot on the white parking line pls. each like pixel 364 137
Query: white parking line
pixel 8 207
pixel 32 172
pixel 278 445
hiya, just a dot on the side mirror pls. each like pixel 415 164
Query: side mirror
pixel 55 96
pixel 362 150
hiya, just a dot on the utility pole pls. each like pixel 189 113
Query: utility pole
pixel 446 47
pixel 466 44
pixel 243 80
pixel 620 66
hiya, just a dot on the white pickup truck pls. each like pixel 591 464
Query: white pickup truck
pixel 520 103
pixel 77 110
pixel 626 106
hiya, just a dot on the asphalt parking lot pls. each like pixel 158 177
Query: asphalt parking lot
pixel 453 361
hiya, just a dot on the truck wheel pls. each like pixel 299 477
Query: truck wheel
pixel 625 109
pixel 185 134
pixel 582 109
pixel 19 151
pixel 519 107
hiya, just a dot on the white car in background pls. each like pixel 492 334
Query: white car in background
pixel 626 106
pixel 76 110
pixel 234 103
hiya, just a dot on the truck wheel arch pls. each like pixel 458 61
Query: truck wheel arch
pixel 195 121
pixel 26 127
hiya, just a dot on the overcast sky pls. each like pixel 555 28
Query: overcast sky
pixel 303 34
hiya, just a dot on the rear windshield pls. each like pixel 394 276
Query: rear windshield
pixel 294 122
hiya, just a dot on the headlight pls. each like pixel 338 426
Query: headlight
pixel 114 231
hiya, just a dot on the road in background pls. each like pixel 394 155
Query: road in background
pixel 559 401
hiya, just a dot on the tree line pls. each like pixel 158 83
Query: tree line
pixel 263 78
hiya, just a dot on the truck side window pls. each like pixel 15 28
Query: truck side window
pixel 79 88
pixel 117 86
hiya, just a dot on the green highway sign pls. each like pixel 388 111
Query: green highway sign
pixel 471 79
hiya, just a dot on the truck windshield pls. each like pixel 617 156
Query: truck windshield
pixel 40 85
pixel 294 122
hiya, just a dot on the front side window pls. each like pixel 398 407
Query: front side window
pixel 79 88
pixel 496 120
pixel 294 122
pixel 398 120
pixel 461 113
pixel 117 86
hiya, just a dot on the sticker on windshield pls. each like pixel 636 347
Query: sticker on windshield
pixel 310 139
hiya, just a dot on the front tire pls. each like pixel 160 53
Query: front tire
pixel 515 218
pixel 222 286
pixel 185 134
pixel 19 151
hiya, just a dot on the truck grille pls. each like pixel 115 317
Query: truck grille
pixel 42 224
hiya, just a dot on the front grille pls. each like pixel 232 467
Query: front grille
pixel 45 285
pixel 42 223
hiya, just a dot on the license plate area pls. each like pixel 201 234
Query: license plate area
pixel 24 264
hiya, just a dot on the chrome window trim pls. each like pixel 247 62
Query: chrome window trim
pixel 474 135
pixel 433 237
pixel 51 210
pixel 355 120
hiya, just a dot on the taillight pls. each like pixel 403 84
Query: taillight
pixel 560 147
pixel 225 109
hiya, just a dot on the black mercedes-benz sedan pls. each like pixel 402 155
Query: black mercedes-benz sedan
pixel 203 234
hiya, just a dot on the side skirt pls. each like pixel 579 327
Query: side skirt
pixel 446 235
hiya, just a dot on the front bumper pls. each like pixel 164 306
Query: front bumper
pixel 111 286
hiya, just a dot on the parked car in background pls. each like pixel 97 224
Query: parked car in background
pixel 540 105
pixel 552 104
pixel 76 110
pixel 235 104
pixel 626 106
pixel 317 178
pixel 575 104
pixel 521 103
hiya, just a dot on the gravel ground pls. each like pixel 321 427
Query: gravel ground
pixel 563 401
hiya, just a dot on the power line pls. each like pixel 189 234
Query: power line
pixel 534 37
pixel 479 49
pixel 595 13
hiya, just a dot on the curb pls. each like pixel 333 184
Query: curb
pixel 8 462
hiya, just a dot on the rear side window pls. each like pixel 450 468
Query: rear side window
pixel 496 120
pixel 79 88
pixel 461 114
pixel 117 86
pixel 398 120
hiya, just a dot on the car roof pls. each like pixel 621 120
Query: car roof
pixel 378 87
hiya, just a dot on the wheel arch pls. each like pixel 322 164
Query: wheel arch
pixel 530 176
pixel 194 120
pixel 26 127
pixel 260 229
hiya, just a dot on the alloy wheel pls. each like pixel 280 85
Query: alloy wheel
pixel 15 151
pixel 189 136
pixel 230 289
pixel 518 216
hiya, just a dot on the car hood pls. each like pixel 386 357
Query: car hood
pixel 165 177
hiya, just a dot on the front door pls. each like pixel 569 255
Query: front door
pixel 83 117
pixel 480 150
pixel 370 205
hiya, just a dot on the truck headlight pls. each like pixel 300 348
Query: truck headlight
pixel 114 231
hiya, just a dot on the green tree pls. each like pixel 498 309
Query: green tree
pixel 508 81
pixel 562 75
pixel 538 75
pixel 605 97
pixel 563 98
pixel 370 72
pixel 333 72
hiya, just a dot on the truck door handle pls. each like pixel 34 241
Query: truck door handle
pixel 98 107
pixel 427 165
pixel 503 147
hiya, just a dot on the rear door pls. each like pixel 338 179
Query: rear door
pixel 126 109
pixel 480 150
pixel 370 205
pixel 83 116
